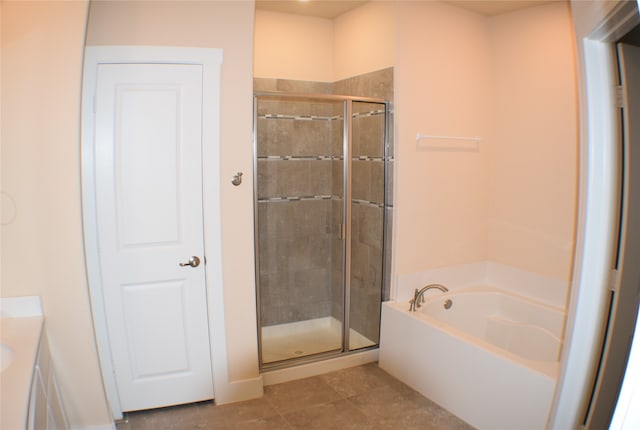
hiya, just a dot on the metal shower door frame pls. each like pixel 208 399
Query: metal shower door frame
pixel 347 204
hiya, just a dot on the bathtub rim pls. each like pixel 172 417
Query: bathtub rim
pixel 491 289
pixel 546 368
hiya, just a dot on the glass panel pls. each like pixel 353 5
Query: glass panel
pixel 367 223
pixel 300 207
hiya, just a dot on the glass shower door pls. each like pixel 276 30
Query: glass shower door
pixel 367 223
pixel 299 165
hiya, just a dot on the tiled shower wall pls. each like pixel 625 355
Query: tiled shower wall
pixel 294 210
pixel 300 203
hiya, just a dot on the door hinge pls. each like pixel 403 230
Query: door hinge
pixel 343 231
pixel 619 95
pixel 614 280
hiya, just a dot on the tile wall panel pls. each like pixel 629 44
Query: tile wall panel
pixel 295 260
pixel 275 136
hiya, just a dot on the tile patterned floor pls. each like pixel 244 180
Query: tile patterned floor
pixel 359 398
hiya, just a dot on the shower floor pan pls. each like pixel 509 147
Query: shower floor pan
pixel 302 338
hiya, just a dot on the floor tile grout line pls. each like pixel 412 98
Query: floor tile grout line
pixel 316 405
pixel 291 426
pixel 277 411
pixel 320 378
pixel 359 408
pixel 280 414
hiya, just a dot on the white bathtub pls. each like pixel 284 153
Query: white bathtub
pixel 492 358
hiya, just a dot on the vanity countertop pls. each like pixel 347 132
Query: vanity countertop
pixel 20 330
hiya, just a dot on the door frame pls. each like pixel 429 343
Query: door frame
pixel 597 27
pixel 624 306
pixel 211 60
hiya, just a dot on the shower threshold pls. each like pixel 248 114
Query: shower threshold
pixel 303 338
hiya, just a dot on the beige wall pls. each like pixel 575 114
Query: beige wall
pixel 442 88
pixel 293 47
pixel 534 146
pixel 315 49
pixel 42 249
pixel 364 40
pixel 511 80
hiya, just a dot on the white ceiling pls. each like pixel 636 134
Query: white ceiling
pixel 330 9
pixel 497 7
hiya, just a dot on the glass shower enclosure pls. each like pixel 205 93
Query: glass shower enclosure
pixel 320 224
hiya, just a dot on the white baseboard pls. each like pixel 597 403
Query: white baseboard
pixel 318 368
pixel 111 426
pixel 238 391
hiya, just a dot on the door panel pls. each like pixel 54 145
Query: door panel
pixel 147 189
pixel 157 334
pixel 299 219
pixel 149 211
pixel 367 223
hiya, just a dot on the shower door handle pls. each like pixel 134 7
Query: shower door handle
pixel 193 262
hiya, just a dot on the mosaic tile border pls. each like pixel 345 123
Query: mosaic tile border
pixel 321 158
pixel 320 117
pixel 322 197
pixel 369 113
pixel 300 157
pixel 367 158
pixel 300 117
pixel 297 198
pixel 368 203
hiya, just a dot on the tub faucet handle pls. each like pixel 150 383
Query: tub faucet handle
pixel 415 302
pixel 418 297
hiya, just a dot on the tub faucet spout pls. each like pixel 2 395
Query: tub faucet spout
pixel 418 295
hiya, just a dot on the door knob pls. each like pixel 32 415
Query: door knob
pixel 193 262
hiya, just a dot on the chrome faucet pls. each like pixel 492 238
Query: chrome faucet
pixel 418 295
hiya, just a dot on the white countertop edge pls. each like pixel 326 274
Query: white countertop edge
pixel 21 324
pixel 23 336
pixel 20 307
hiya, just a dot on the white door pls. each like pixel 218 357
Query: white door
pixel 148 158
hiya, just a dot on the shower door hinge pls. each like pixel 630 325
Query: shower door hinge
pixel 343 231
pixel 614 280
pixel 619 95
